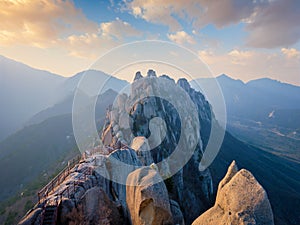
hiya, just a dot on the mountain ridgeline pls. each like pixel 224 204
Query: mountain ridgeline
pixel 184 197
pixel 29 96
pixel 43 139
pixel 262 112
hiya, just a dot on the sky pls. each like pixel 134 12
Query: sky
pixel 243 39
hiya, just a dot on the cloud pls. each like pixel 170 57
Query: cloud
pixel 226 12
pixel 181 37
pixel 155 11
pixel 108 35
pixel 269 23
pixel 39 23
pixel 240 57
pixel 59 24
pixel 89 45
pixel 291 53
pixel 200 12
pixel 119 29
pixel 276 25
pixel 207 56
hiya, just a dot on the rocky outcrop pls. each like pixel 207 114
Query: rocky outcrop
pixel 147 198
pixel 93 208
pixel 118 173
pixel 137 76
pixel 97 208
pixel 118 184
pixel 156 121
pixel 151 73
pixel 241 200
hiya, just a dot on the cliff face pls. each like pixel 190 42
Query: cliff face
pixel 189 187
pixel 132 178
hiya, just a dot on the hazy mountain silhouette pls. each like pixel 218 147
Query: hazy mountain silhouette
pixel 262 112
pixel 30 152
pixel 24 91
pixel 47 99
pixel 257 99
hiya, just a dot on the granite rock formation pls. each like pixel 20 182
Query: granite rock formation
pixel 241 200
pixel 129 180
pixel 147 198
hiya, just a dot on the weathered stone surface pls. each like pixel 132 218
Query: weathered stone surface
pixel 31 217
pixel 176 213
pixel 66 209
pixel 241 200
pixel 142 148
pixel 149 122
pixel 147 198
pixel 157 120
pixel 107 135
pixel 232 170
pixel 120 164
pixel 97 208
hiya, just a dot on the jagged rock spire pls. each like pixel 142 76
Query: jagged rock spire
pixel 240 200
pixel 182 82
pixel 138 75
pixel 151 73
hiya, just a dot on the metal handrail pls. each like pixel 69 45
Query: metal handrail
pixel 58 179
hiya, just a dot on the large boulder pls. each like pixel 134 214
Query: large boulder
pixel 241 200
pixel 99 209
pixel 119 164
pixel 147 198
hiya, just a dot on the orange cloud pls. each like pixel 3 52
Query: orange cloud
pixel 181 37
pixel 119 29
pixel 59 24
pixel 40 23
pixel 291 53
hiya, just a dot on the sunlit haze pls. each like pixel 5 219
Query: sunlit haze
pixel 243 39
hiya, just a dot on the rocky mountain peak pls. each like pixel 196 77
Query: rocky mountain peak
pixel 138 75
pixel 151 73
pixel 182 82
pixel 132 179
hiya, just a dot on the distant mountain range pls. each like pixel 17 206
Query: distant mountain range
pixel 262 112
pixel 36 148
pixel 39 105
pixel 258 100
pixel 36 120
pixel 26 92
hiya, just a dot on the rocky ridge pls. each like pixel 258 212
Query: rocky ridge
pixel 100 191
